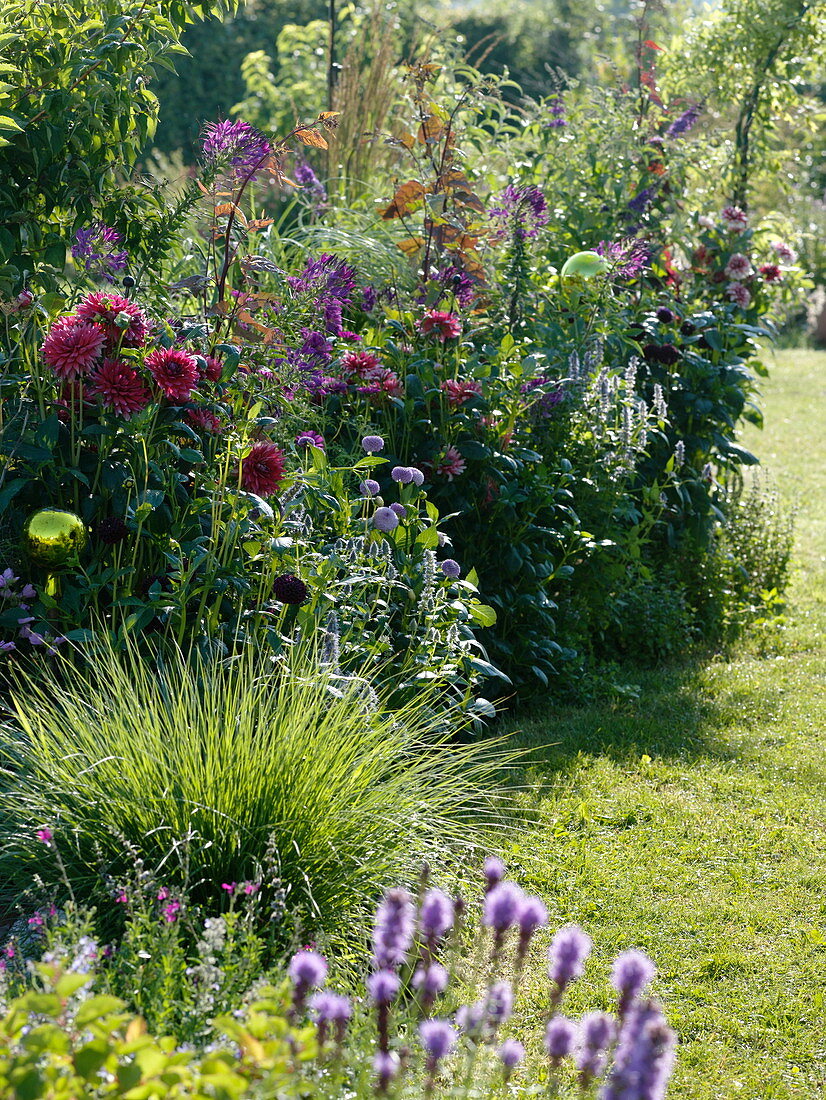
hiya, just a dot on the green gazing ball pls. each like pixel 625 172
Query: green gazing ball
pixel 584 265
pixel 51 537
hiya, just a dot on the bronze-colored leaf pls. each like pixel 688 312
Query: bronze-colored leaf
pixel 406 199
pixel 410 245
pixel 311 137
pixel 259 223
pixel 430 130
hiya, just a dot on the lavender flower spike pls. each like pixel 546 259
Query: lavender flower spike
pixel 631 973
pixel 511 1053
pixel 502 907
pixel 569 949
pixel 307 968
pixel 494 871
pixel 331 1008
pixel 383 986
pixel 644 1058
pixel 435 916
pixel 532 915
pixel 438 1039
pixel 560 1038
pixel 386 1064
pixel 394 926
pixel 597 1031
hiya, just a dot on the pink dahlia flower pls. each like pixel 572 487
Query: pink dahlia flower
pixel 204 421
pixel 120 388
pixel 451 465
pixel 213 368
pixel 440 324
pixel 738 294
pixel 734 219
pixel 72 347
pixel 784 253
pixel 460 390
pixel 739 267
pixel 123 322
pixel 175 371
pixel 361 363
pixel 262 471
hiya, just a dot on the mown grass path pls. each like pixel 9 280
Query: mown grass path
pixel 692 822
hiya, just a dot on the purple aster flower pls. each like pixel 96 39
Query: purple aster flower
pixel 511 1053
pixel 395 922
pixel 372 444
pixel 369 487
pixel 435 916
pixel 94 247
pixel 499 1004
pixel 494 871
pixel 438 1039
pixel 385 519
pixel 597 1031
pixel 681 126
pixel 631 973
pixel 644 1058
pixel 560 1038
pixel 402 474
pixel 502 907
pixel 451 568
pixel 235 144
pixel 431 982
pixel 628 257
pixel 386 1064
pixel 567 954
pixel 383 986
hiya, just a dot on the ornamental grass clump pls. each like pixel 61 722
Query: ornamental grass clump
pixel 209 771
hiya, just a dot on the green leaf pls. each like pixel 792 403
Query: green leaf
pixel 90 1058
pixel 96 1007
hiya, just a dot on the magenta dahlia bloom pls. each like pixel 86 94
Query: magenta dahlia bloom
pixel 734 219
pixel 123 322
pixel 771 273
pixel 120 388
pixel 73 347
pixel 262 470
pixel 444 326
pixel 235 144
pixel 739 294
pixel 460 390
pixel 204 421
pixel 175 371
pixel 784 252
pixel 739 267
pixel 452 464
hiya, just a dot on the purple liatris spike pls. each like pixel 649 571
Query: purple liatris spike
pixel 597 1031
pixel 494 870
pixel 430 981
pixel 330 1008
pixel 567 954
pixel 511 1053
pixel 631 973
pixel 560 1038
pixel 644 1058
pixel 502 907
pixel 394 925
pixel 435 916
pixel 307 970
pixel 383 986
pixel 499 1004
pixel 438 1039
pixel 531 915
pixel 386 1064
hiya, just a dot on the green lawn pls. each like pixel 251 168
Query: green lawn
pixel 692 822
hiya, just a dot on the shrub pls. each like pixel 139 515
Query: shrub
pixel 214 771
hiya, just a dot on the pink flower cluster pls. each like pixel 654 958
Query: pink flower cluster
pixel 444 326
pixel 366 372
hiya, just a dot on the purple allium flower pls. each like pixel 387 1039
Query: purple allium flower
pixel 45 836
pixel 569 949
pixel 502 907
pixel 644 1058
pixel 289 589
pixel 308 438
pixel 494 871
pixel 394 925
pixel 511 1053
pixel 438 1039
pixel 383 986
pixel 235 144
pixel 560 1037
pixel 399 509
pixel 307 970
pixel 418 476
pixel 435 915
pixel 499 1004
pixel 372 444
pixel 627 256
pixel 451 568
pixel 386 1064
pixel 369 487
pixel 431 982
pixel 520 211
pixel 402 474
pixel 633 970
pixel 94 247
pixel 385 519
pixel 685 122
pixel 597 1031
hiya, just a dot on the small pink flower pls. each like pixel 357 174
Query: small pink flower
pixel 451 465
pixel 252 887
pixel 738 294
pixel 163 894
pixel 771 273
pixel 45 836
pixel 73 347
pixel 171 911
pixel 122 899
pixel 461 390
pixel 734 219
pixel 175 371
pixel 229 887
pixel 739 267
pixel 444 326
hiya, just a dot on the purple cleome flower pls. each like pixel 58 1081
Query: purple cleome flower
pixel 236 145
pixel 627 256
pixel 521 211
pixel 94 247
